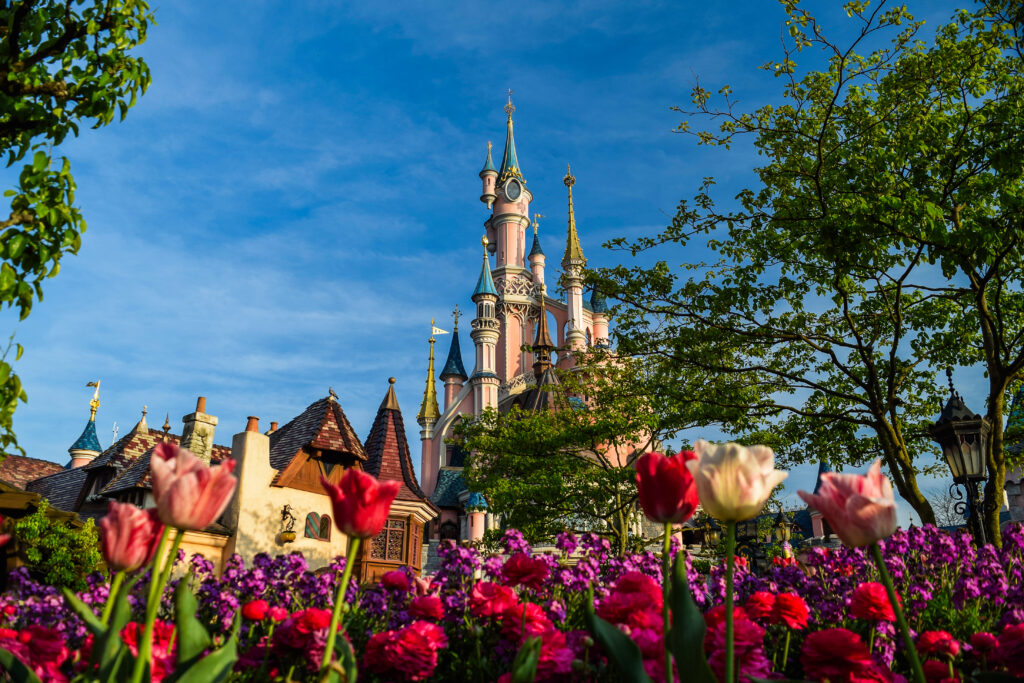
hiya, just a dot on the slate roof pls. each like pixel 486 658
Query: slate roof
pixel 536 250
pixel 449 485
pixel 823 468
pixel 387 450
pixel 453 367
pixel 62 488
pixel 598 304
pixel 542 396
pixel 485 285
pixel 136 474
pixel 322 425
pixel 489 162
pixel 19 470
pixel 88 441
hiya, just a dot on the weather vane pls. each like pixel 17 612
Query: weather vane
pixel 456 314
pixel 509 108
pixel 535 224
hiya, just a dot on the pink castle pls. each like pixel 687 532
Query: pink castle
pixel 511 311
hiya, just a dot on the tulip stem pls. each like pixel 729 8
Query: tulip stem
pixel 157 581
pixel 666 574
pixel 908 643
pixel 730 561
pixel 337 621
pixel 115 588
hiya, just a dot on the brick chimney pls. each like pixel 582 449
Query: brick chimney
pixel 197 434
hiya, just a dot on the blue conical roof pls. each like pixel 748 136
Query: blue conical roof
pixel 88 441
pixel 489 163
pixel 823 468
pixel 597 302
pixel 485 285
pixel 536 246
pixel 453 367
pixel 509 160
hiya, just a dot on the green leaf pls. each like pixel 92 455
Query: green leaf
pixel 347 659
pixel 686 637
pixel 16 245
pixel 40 161
pixel 109 651
pixel 524 666
pixel 92 622
pixel 19 672
pixel 212 668
pixel 193 639
pixel 620 649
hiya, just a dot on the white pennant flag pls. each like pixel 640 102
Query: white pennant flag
pixel 437 330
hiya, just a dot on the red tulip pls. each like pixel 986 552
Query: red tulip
pixel 668 493
pixel 129 536
pixel 190 494
pixel 256 610
pixel 861 510
pixel 361 503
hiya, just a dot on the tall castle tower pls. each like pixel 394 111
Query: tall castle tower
pixel 512 309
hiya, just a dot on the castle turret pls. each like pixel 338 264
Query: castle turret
pixel 453 374
pixel 489 177
pixel 485 338
pixel 427 418
pixel 599 313
pixel 85 449
pixel 506 229
pixel 537 257
pixel 542 345
pixel 573 263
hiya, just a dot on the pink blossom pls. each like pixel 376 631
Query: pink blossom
pixel 861 509
pixel 190 494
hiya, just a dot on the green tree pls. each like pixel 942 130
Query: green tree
pixel 848 276
pixel 62 65
pixel 572 467
pixel 57 553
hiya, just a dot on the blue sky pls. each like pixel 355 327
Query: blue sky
pixel 296 196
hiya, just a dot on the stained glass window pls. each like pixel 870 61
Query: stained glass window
pixel 390 542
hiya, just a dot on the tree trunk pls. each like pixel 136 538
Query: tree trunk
pixel 901 467
pixel 995 459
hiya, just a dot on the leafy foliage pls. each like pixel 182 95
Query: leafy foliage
pixel 572 467
pixel 57 553
pixel 62 64
pixel 884 230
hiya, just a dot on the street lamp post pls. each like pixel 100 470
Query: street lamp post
pixel 780 528
pixel 963 437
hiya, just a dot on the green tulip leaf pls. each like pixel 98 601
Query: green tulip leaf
pixel 686 637
pixel 17 669
pixel 109 651
pixel 524 666
pixel 622 652
pixel 212 668
pixel 193 638
pixel 347 660
pixel 92 622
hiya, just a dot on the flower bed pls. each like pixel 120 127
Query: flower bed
pixel 825 619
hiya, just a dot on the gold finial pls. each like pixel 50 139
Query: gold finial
pixel 483 241
pixel 569 180
pixel 432 340
pixel 488 147
pixel 535 223
pixel 144 411
pixel 167 426
pixel 94 404
pixel 509 108
pixel 391 380
pixel 456 314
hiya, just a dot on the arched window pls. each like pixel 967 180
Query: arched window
pixel 318 527
pixel 449 531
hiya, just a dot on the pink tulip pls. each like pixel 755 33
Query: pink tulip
pixel 861 510
pixel 733 481
pixel 129 536
pixel 189 493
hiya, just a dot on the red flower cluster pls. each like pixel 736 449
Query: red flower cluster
pixel 938 644
pixel 165 655
pixel 396 581
pixel 489 599
pixel 784 561
pixel 791 610
pixel 840 656
pixel 427 607
pixel 634 605
pixel 1010 651
pixel 938 672
pixel 748 639
pixel 255 610
pixel 42 649
pixel 409 654
pixel 304 631
pixel 870 601
pixel 523 570
pixel 760 605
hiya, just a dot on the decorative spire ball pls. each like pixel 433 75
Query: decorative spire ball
pixel 483 241
pixel 569 180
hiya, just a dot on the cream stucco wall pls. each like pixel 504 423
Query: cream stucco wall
pixel 258 508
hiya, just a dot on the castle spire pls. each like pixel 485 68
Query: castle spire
pixel 429 412
pixel 453 367
pixel 509 160
pixel 485 285
pixel 573 251
pixel 542 345
pixel 87 446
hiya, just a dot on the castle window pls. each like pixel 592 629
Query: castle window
pixel 318 527
pixel 390 542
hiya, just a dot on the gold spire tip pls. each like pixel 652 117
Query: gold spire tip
pixel 456 314
pixel 569 179
pixel 510 108
pixel 94 403
pixel 483 241
pixel 488 146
